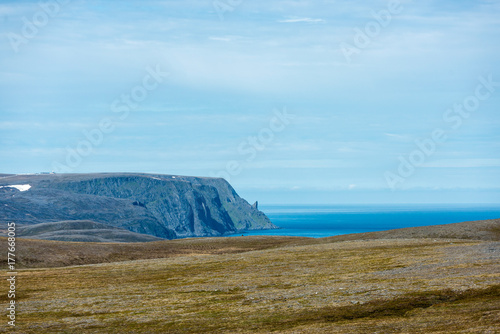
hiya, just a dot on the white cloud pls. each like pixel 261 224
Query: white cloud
pixel 397 137
pixel 303 19
pixel 16 9
pixel 221 39
pixel 463 163
pixel 22 125
pixel 311 163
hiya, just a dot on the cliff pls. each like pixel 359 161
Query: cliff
pixel 165 206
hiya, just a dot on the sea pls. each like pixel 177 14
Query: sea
pixel 318 221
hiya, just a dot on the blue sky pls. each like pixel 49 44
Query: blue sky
pixel 357 108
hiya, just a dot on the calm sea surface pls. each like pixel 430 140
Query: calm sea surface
pixel 324 221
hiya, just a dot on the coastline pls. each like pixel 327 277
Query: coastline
pixel 321 221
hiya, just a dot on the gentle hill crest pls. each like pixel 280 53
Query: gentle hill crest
pixel 487 230
pixel 44 253
pixel 83 231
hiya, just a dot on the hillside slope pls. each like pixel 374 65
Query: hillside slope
pixel 43 253
pixel 487 230
pixel 81 230
pixel 31 253
pixel 165 206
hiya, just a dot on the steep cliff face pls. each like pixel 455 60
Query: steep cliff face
pixel 166 206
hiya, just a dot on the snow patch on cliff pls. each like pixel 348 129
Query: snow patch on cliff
pixel 20 187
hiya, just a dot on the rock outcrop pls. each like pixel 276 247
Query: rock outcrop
pixel 165 206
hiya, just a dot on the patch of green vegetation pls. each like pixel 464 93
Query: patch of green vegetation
pixel 397 307
pixel 495 231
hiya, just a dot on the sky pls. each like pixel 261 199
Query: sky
pixel 325 101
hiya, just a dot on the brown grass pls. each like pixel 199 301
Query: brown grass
pixel 33 253
pixel 45 254
pixel 386 286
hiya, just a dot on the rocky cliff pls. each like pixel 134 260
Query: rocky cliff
pixel 165 206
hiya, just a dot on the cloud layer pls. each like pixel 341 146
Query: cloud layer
pixel 63 67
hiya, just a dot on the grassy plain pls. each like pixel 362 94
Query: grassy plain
pixel 260 285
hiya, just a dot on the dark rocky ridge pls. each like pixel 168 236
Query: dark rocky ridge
pixel 165 206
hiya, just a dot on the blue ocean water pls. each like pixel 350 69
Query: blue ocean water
pixel 318 221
